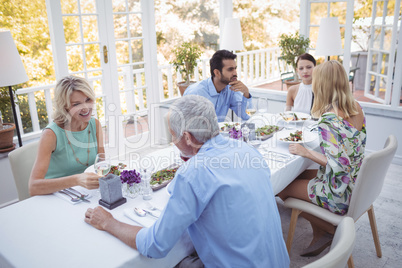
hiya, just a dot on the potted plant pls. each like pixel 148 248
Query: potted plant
pixel 6 129
pixel 293 46
pixel 186 56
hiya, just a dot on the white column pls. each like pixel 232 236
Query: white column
pixel 348 35
pixel 225 11
pixel 397 80
pixel 56 30
pixel 151 68
pixel 304 18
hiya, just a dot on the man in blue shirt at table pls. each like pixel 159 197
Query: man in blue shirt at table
pixel 222 88
pixel 222 196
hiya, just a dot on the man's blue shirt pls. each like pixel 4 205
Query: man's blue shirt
pixel 222 101
pixel 223 197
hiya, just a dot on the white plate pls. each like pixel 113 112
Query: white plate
pixel 114 162
pixel 222 125
pixel 261 120
pixel 299 115
pixel 307 136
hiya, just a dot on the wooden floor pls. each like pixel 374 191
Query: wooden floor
pixel 388 213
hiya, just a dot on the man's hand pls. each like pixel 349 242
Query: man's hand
pixel 98 218
pixel 239 86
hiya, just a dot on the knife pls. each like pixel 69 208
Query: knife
pixel 150 213
pixel 80 197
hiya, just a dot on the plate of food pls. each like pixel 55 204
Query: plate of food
pixel 295 136
pixel 226 126
pixel 163 177
pixel 267 131
pixel 297 117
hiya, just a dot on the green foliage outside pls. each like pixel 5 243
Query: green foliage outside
pixel 186 56
pixel 292 46
pixel 27 21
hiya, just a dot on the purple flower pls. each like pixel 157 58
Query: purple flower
pixel 130 177
pixel 235 134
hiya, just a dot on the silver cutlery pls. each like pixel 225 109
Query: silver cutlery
pixel 150 213
pixel 77 192
pixel 151 206
pixel 78 196
pixel 73 199
pixel 142 212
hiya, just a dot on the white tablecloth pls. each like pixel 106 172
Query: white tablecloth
pixel 46 231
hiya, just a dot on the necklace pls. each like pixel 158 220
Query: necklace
pixel 76 158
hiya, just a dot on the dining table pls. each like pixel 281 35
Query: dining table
pixel 49 231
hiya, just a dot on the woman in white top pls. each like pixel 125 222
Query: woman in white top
pixel 301 96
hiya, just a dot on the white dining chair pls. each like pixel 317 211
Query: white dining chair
pixel 368 186
pixel 341 247
pixel 22 160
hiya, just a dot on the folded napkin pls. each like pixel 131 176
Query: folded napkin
pixel 68 199
pixel 146 221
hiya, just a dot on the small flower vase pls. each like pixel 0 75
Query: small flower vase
pixel 131 191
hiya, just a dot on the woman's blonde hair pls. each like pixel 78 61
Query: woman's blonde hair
pixel 62 92
pixel 331 90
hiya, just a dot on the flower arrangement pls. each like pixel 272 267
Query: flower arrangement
pixel 131 183
pixel 130 177
pixel 235 133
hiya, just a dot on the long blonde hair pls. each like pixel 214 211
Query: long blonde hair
pixel 331 90
pixel 62 92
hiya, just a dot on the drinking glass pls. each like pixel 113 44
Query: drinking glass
pixel 288 116
pixel 262 105
pixel 250 110
pixel 102 164
pixel 257 141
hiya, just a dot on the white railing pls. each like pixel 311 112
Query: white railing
pixel 254 67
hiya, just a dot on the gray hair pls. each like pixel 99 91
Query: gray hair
pixel 194 114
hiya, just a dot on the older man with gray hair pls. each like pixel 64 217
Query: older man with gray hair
pixel 222 196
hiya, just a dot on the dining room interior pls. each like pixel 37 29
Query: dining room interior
pixel 124 49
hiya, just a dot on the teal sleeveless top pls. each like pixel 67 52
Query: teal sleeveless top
pixel 63 162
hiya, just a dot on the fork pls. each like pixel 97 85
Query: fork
pixel 75 191
pixel 73 199
pixel 80 197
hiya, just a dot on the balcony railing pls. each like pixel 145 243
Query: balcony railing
pixel 254 67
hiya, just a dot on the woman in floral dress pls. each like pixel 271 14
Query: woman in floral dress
pixel 342 135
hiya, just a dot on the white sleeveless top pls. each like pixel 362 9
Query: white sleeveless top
pixel 302 102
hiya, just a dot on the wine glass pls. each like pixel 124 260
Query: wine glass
pixel 250 110
pixel 288 116
pixel 102 164
pixel 262 105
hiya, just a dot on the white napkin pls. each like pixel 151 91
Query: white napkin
pixel 68 199
pixel 146 221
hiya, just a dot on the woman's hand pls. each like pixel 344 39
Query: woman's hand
pixel 298 149
pixel 88 180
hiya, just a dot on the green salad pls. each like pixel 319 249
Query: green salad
pixel 267 130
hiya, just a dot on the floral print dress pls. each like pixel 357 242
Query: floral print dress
pixel 343 145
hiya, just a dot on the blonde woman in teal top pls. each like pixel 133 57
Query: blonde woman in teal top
pixel 70 143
